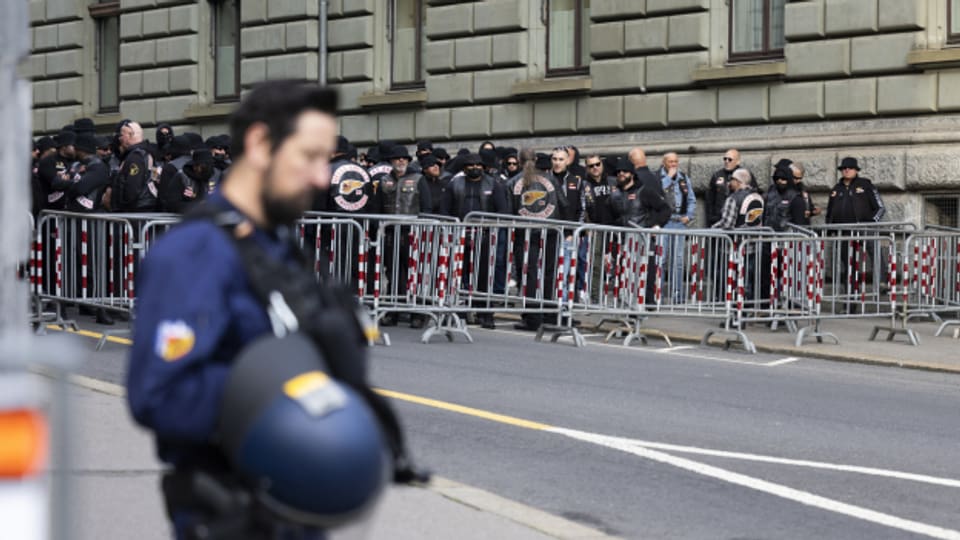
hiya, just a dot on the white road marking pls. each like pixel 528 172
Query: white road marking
pixel 677 348
pixel 782 361
pixel 803 497
pixel 887 473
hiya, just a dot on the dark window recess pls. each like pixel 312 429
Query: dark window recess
pixel 107 19
pixel 953 21
pixel 756 29
pixel 407 19
pixel 568 37
pixel 226 50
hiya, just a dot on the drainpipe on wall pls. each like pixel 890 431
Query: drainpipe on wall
pixel 322 49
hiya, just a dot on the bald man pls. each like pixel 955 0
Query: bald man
pixel 718 188
pixel 659 214
pixel 134 188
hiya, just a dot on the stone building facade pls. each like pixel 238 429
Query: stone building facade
pixel 874 79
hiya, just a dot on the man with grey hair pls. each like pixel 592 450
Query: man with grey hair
pixel 744 207
pixel 678 191
pixel 134 188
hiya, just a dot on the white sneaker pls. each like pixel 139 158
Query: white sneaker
pixel 512 284
pixel 584 297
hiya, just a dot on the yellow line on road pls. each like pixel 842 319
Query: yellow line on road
pixel 88 333
pixel 453 407
pixel 437 404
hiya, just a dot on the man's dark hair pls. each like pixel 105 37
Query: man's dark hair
pixel 277 104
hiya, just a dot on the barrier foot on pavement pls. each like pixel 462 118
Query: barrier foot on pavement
pixel 814 332
pixel 947 324
pixel 556 332
pixel 448 324
pixel 892 332
pixel 737 337
pixel 631 330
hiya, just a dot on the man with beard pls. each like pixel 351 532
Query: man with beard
pixel 231 275
pixel 406 193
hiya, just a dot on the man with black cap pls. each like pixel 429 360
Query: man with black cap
pixel 52 172
pixel 854 199
pixel 438 185
pixel 351 190
pixel 190 184
pixel 475 191
pixel 219 146
pixel 407 193
pixel 164 136
pixel 89 179
pixel 172 182
pixel 424 148
pixel 633 202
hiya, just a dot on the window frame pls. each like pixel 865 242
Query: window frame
pixel 100 13
pixel 766 53
pixel 953 34
pixel 215 42
pixel 420 81
pixel 577 69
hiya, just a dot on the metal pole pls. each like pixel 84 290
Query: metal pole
pixel 322 50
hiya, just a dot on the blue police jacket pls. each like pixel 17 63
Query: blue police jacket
pixel 195 311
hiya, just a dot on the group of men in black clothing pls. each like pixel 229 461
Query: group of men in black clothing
pixel 80 172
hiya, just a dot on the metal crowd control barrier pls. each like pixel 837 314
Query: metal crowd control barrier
pixel 862 273
pixel 83 259
pixel 930 276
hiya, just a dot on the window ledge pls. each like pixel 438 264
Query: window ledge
pixel 741 72
pixel 924 58
pixel 575 85
pixel 202 111
pixel 107 120
pixel 388 99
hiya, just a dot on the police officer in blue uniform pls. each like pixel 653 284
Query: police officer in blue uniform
pixel 230 274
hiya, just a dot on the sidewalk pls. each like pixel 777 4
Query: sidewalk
pixel 934 353
pixel 114 491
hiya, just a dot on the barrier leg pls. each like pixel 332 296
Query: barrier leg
pixel 947 324
pixel 814 331
pixel 448 324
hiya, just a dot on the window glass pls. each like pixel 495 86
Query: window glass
pixel 405 37
pixel 226 15
pixel 108 53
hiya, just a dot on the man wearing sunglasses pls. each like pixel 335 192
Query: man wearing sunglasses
pixel 718 188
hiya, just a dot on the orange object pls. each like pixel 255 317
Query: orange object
pixel 23 443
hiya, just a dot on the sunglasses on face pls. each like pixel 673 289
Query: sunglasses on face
pixel 512 163
pixel 728 159
pixel 592 165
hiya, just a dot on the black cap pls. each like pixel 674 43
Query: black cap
pixel 385 147
pixel 623 164
pixel 343 145
pixel 463 152
pixel 441 153
pixel 179 146
pixel 84 125
pixel 471 159
pixel 202 157
pixel 428 160
pixel 66 138
pixel 783 163
pixel 848 163
pixel 103 142
pixel 45 143
pixel 489 158
pixel 373 154
pixel 398 151
pixel 86 143
pixel 424 145
pixel 783 171
pixel 196 141
pixel 351 151
pixel 543 161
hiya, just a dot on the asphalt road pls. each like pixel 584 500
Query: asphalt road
pixel 680 443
